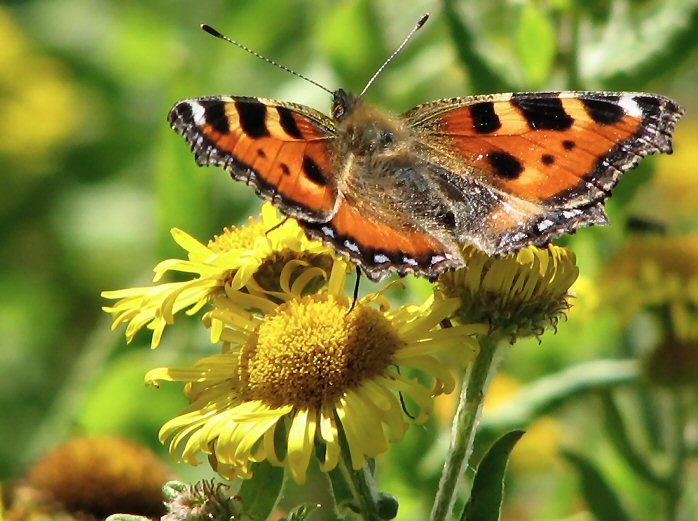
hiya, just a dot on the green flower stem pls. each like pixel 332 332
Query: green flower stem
pixel 362 484
pixel 464 427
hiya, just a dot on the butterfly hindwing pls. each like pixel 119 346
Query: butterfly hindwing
pixel 280 148
pixel 381 246
pixel 543 162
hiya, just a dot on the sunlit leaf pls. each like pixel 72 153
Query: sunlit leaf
pixel 487 492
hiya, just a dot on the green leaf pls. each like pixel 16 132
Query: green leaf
pixel 550 392
pixel 300 513
pixel 639 43
pixel 603 503
pixel 483 77
pixel 618 435
pixel 536 45
pixel 261 493
pixel 352 37
pixel 486 495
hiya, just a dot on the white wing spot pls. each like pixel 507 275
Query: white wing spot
pixel 630 106
pixel 545 224
pixel 198 113
pixel 352 246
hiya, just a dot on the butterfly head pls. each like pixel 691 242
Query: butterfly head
pixel 362 127
pixel 343 104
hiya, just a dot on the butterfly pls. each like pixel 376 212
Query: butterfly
pixel 402 193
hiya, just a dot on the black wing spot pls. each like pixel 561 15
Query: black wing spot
pixel 252 116
pixel 214 115
pixel 548 159
pixel 543 112
pixel 284 168
pixel 261 153
pixel 604 111
pixel 568 144
pixel 485 119
pixel 505 165
pixel 312 170
pixel 288 123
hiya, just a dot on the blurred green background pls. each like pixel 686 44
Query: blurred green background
pixel 94 179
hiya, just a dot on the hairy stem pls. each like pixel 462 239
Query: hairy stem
pixel 464 427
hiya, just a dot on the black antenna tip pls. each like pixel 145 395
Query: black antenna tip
pixel 423 20
pixel 211 30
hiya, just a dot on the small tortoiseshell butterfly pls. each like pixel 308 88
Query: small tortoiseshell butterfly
pixel 401 193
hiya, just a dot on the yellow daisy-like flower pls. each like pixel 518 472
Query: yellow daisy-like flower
pixel 314 371
pixel 251 257
pixel 655 272
pixel 519 294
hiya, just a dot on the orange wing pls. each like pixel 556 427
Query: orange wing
pixel 280 148
pixel 543 162
pixel 379 246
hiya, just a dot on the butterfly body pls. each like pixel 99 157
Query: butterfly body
pixel 402 193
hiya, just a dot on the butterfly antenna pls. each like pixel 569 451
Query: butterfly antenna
pixel 416 28
pixel 210 30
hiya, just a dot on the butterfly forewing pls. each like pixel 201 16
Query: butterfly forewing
pixel 279 148
pixel 545 161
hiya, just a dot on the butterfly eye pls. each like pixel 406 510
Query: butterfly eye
pixel 386 138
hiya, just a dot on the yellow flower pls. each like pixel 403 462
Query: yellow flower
pixel 35 88
pixel 251 257
pixel 657 273
pixel 313 371
pixel 518 294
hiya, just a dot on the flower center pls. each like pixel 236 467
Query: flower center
pixel 310 351
pixel 234 237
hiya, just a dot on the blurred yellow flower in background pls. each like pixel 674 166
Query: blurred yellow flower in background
pixel 652 272
pixel 39 106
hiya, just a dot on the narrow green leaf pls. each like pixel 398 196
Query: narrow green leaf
pixel 536 45
pixel 550 392
pixel 618 435
pixel 300 513
pixel 602 501
pixel 261 493
pixel 352 37
pixel 485 502
pixel 482 76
